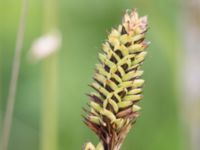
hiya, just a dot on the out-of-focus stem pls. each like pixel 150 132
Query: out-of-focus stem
pixel 1 83
pixel 14 78
pixel 191 72
pixel 1 88
pixel 50 102
pixel 50 84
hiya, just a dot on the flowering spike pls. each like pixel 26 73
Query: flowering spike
pixel 118 82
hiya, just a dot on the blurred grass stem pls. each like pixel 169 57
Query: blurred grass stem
pixel 14 78
pixel 50 82
pixel 190 73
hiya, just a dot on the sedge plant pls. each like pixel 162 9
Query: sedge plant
pixel 118 85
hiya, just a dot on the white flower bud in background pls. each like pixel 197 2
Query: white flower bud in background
pixel 45 45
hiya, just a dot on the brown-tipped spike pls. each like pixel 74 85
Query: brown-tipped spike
pixel 117 82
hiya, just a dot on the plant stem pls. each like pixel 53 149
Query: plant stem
pixel 49 107
pixel 50 84
pixel 190 73
pixel 14 78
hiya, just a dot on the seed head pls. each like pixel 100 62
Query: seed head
pixel 117 81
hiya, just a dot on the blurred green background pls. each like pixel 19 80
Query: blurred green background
pixel 84 26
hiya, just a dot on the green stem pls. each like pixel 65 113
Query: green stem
pixel 50 101
pixel 50 84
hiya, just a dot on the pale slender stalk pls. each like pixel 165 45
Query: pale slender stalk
pixel 1 81
pixel 14 78
pixel 50 84
pixel 190 74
